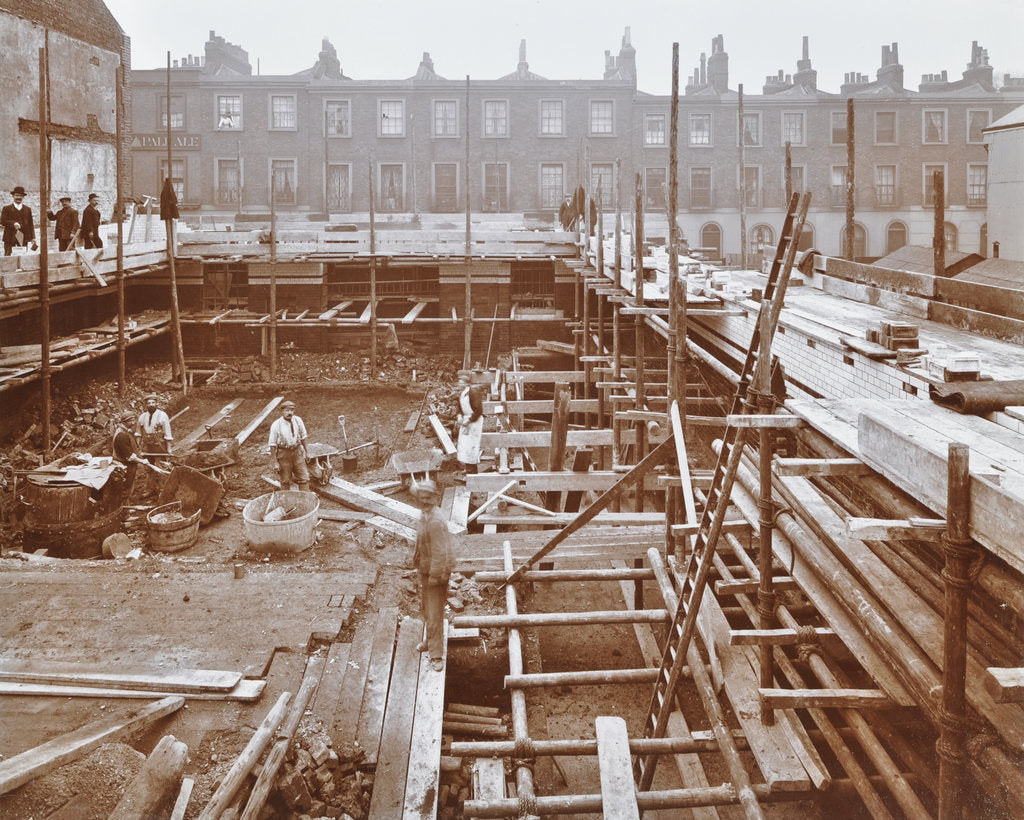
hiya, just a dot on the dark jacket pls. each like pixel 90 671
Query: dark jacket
pixel 434 556
pixel 67 222
pixel 9 215
pixel 91 224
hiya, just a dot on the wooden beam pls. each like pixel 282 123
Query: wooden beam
pixel 820 466
pixel 618 793
pixel 447 445
pixel 776 637
pixel 884 529
pixel 621 519
pixel 779 584
pixel 759 421
pixel 1005 685
pixel 735 525
pixel 416 310
pixel 30 764
pixel 203 429
pixel 257 420
pixel 825 699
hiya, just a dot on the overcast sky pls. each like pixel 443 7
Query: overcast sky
pixel 385 39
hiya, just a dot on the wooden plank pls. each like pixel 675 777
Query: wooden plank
pixel 618 792
pixel 543 376
pixel 30 764
pixel 203 429
pixel 824 699
pixel 762 421
pixel 914 457
pixel 544 480
pixel 375 692
pixel 542 438
pixel 776 637
pixel 393 759
pixel 460 508
pixel 886 529
pixel 72 674
pixel 536 407
pixel 425 747
pixel 329 690
pixel 690 769
pixel 257 420
pixel 413 420
pixel 976 321
pixel 919 620
pixel 820 466
pixel 412 314
pixel 181 802
pixel 622 519
pixel 447 445
pixel 247 690
pixel 1005 685
pixel 358 497
pixel 346 713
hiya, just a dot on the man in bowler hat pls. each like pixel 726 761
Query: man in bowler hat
pixel 16 220
pixel 91 223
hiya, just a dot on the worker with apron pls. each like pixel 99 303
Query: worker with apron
pixel 471 425
pixel 288 448
pixel 153 433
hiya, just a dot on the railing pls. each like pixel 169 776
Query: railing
pixel 887 196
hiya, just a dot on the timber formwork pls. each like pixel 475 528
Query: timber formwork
pixel 889 597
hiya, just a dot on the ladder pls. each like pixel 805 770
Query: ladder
pixel 700 558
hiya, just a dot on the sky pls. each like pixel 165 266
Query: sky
pixel 385 39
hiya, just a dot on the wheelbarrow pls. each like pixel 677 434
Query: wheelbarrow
pixel 318 460
pixel 412 463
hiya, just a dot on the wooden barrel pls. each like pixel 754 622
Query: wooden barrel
pixel 169 530
pixel 53 502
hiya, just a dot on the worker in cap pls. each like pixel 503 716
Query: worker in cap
pixel 471 424
pixel 288 448
pixel 153 432
pixel 434 561
pixel 66 219
pixel 91 223
pixel 125 447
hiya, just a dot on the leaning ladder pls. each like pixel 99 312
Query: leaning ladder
pixel 700 558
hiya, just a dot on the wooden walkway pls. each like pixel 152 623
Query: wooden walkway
pixel 380 695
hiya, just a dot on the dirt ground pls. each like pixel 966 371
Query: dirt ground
pixel 375 411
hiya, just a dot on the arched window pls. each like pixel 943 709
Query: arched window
pixel 806 238
pixel 859 241
pixel 895 237
pixel 762 241
pixel 711 237
pixel 951 236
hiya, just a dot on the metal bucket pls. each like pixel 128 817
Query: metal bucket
pixel 172 535
pixel 349 464
pixel 289 535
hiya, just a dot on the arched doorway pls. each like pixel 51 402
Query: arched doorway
pixel 711 238
pixel 951 236
pixel 806 238
pixel 762 241
pixel 895 237
pixel 860 241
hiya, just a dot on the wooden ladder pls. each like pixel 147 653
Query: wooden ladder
pixel 700 558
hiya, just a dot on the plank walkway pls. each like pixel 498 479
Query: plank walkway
pixel 379 694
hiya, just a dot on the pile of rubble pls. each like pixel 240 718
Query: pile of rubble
pixel 318 781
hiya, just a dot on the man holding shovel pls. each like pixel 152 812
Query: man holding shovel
pixel 288 448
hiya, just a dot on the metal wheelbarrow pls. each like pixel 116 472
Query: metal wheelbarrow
pixel 416 464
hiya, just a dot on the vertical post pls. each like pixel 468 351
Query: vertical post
pixel 618 225
pixel 44 256
pixel 960 552
pixel 587 194
pixel 939 232
pixel 178 358
pixel 639 326
pixel 373 275
pixel 327 167
pixel 743 184
pixel 238 179
pixel 682 354
pixel 789 171
pixel 673 259
pixel 273 273
pixel 467 343
pixel 766 449
pixel 412 148
pixel 119 218
pixel 848 244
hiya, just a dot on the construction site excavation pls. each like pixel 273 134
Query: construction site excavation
pixel 505 512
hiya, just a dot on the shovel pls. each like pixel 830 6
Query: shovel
pixel 344 434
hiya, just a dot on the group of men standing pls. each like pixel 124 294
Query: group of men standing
pixel 19 228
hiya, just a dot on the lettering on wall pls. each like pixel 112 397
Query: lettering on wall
pixel 184 142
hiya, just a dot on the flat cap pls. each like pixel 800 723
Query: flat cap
pixel 288 403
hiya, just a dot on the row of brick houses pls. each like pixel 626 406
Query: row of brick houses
pixel 321 141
